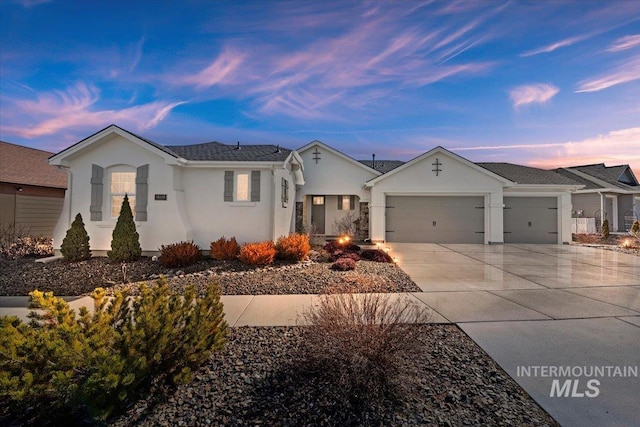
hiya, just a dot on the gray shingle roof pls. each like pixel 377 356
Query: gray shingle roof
pixel 588 184
pixel 527 175
pixel 383 166
pixel 608 174
pixel 216 151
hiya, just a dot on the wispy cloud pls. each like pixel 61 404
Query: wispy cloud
pixel 221 70
pixel 554 46
pixel 621 149
pixel 31 3
pixel 624 43
pixel 624 73
pixel 71 109
pixel 537 93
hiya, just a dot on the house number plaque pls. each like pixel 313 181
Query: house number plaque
pixel 160 197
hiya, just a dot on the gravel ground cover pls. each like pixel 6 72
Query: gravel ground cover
pixel 21 276
pixel 256 380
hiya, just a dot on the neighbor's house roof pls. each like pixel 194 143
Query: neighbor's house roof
pixel 383 166
pixel 598 176
pixel 28 166
pixel 528 175
pixel 216 151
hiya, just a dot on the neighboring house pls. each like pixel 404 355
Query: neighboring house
pixel 610 192
pixel 437 197
pixel 31 191
pixel 193 192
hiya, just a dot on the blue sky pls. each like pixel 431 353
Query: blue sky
pixel 543 83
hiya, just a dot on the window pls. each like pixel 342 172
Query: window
pixel 318 200
pixel 122 183
pixel 346 205
pixel 242 187
pixel 285 191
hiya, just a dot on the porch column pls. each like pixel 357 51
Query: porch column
pixel 377 214
pixel 564 218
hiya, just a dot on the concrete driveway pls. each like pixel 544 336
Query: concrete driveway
pixel 563 321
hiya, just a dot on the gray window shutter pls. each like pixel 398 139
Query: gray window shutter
pixel 286 190
pixel 97 175
pixel 339 203
pixel 142 190
pixel 255 186
pixel 283 190
pixel 352 202
pixel 228 186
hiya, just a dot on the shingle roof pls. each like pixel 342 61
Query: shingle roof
pixel 588 184
pixel 216 151
pixel 383 166
pixel 28 166
pixel 608 174
pixel 527 175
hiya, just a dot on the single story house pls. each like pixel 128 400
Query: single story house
pixel 609 192
pixel 192 192
pixel 31 191
pixel 260 192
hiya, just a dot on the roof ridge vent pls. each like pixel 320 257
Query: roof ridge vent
pixel 238 146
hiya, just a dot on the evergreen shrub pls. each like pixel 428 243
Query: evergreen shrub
pixel 75 245
pixel 605 229
pixel 125 243
pixel 68 369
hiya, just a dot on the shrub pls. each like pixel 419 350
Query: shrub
pixel 293 247
pixel 75 245
pixel 344 264
pixel 28 246
pixel 346 224
pixel 66 369
pixel 125 244
pixel 358 343
pixel 260 253
pixel 635 229
pixel 335 245
pixel 375 255
pixel 605 229
pixel 223 249
pixel 181 254
pixel 343 254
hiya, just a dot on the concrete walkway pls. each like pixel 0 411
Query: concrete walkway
pixel 535 308
pixel 531 307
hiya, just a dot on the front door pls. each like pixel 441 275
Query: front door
pixel 317 213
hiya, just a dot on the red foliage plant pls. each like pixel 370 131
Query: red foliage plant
pixel 293 247
pixel 181 254
pixel 223 249
pixel 259 253
pixel 375 255
pixel 344 264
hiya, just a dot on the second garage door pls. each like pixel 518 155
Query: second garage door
pixel 435 219
pixel 530 220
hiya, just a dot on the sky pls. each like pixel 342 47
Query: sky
pixel 540 83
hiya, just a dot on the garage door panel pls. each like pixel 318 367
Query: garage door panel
pixel 435 219
pixel 530 220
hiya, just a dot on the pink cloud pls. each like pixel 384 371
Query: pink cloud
pixel 624 43
pixel 554 46
pixel 626 72
pixel 220 71
pixel 537 93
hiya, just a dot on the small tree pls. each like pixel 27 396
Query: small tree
pixel 125 245
pixel 75 245
pixel 605 229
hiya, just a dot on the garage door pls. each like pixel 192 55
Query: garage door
pixel 530 220
pixel 435 219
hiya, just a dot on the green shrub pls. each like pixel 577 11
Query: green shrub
pixel 293 247
pixel 125 243
pixel 605 229
pixel 66 369
pixel 180 254
pixel 260 253
pixel 223 249
pixel 75 245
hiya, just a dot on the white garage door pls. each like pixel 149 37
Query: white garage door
pixel 530 220
pixel 435 219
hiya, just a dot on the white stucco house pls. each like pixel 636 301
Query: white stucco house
pixel 192 192
pixel 261 192
pixel 609 192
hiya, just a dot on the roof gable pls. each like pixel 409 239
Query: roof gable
pixel 601 176
pixel 440 151
pixel 85 144
pixel 340 154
